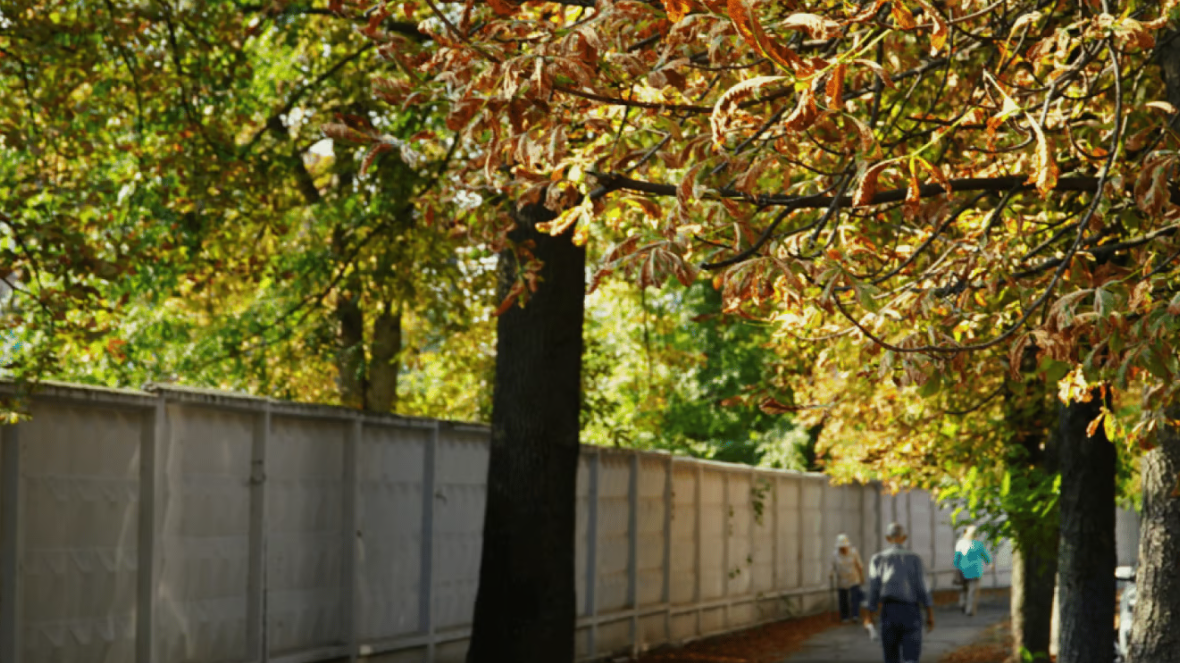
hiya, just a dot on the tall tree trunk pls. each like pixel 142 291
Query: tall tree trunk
pixel 1155 634
pixel 525 606
pixel 1034 578
pixel 1032 413
pixel 1087 555
pixel 350 354
pixel 384 361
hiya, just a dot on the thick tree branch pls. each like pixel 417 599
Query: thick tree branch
pixel 617 182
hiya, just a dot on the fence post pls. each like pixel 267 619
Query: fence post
pixel 753 536
pixel 774 537
pixel 592 551
pixel 257 644
pixel 933 547
pixel 700 542
pixel 153 434
pixel 909 514
pixel 823 531
pixel 12 534
pixel 803 534
pixel 669 501
pixel 350 531
pixel 877 544
pixel 633 551
pixel 725 527
pixel 426 559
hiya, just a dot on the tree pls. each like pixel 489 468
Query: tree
pixel 166 216
pixel 669 370
pixel 1154 636
pixel 1046 218
pixel 1087 551
pixel 525 606
pixel 1156 630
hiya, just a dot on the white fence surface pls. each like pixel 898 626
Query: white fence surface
pixel 183 525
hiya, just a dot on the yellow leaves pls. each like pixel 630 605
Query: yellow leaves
pixel 902 16
pixel 569 217
pixel 677 9
pixel 1045 172
pixel 1073 388
pixel 728 103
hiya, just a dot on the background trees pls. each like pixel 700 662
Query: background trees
pixel 172 210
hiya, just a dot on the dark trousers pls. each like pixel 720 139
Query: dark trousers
pixel 850 602
pixel 901 632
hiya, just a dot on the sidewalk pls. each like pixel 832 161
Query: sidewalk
pixel 952 629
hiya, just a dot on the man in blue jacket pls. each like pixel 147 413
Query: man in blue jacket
pixel 970 556
pixel 897 581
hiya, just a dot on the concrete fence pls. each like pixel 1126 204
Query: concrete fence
pixel 181 525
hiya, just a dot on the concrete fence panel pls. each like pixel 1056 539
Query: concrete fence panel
pixel 194 526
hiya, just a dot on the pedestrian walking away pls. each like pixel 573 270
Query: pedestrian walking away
pixel 848 574
pixel 897 583
pixel 970 556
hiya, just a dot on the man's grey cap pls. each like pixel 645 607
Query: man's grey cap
pixel 895 530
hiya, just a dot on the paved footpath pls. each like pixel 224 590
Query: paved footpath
pixel 952 629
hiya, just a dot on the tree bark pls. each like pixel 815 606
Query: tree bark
pixel 384 361
pixel 350 355
pixel 1034 578
pixel 1155 635
pixel 525 606
pixel 1031 411
pixel 1086 558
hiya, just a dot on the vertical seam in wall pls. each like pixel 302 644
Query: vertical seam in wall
pixel 700 542
pixel 426 558
pixel 350 534
pixel 153 433
pixel 633 550
pixel 592 500
pixel 669 506
pixel 12 533
pixel 258 643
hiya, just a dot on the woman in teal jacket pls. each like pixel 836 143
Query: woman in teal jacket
pixel 970 556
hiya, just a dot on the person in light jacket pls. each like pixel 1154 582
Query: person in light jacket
pixel 849 573
pixel 970 556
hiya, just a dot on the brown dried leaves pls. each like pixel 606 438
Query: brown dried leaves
pixel 751 31
pixel 728 103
